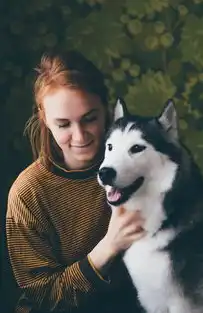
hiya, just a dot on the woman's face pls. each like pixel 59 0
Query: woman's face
pixel 77 122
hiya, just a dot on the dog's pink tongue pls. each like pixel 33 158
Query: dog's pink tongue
pixel 113 195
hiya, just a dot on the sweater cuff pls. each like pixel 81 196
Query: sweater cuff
pixel 93 276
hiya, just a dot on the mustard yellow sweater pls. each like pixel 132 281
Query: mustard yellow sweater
pixel 54 219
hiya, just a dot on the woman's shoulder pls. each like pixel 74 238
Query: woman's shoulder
pixel 32 183
pixel 29 177
pixel 24 196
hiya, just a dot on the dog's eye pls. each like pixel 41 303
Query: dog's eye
pixel 109 146
pixel 137 148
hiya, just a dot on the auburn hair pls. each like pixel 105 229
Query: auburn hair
pixel 56 70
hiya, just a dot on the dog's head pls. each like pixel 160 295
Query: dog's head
pixel 136 149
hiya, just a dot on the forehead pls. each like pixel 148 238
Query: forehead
pixel 69 103
pixel 129 134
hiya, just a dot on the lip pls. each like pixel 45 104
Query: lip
pixel 82 146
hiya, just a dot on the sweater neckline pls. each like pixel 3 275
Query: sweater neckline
pixel 60 170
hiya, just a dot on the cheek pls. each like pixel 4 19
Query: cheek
pixel 61 137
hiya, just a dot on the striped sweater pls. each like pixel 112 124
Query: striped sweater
pixel 54 219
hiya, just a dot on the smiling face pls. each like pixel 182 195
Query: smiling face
pixel 77 122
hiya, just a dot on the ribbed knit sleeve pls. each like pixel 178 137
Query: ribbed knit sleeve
pixel 49 285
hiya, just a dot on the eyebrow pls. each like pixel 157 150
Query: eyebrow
pixel 83 116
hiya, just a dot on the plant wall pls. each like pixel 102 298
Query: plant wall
pixel 149 51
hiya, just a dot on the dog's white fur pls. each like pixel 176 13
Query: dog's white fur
pixel 149 266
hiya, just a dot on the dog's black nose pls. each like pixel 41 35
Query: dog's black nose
pixel 107 175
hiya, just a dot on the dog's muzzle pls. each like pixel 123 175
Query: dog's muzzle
pixel 116 195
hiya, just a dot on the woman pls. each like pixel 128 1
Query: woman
pixel 63 242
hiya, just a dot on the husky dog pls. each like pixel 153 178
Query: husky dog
pixel 146 167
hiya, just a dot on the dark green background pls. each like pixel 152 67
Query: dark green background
pixel 149 51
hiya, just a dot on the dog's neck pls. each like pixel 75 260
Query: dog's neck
pixel 149 198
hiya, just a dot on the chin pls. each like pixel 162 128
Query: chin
pixel 88 159
pixel 87 155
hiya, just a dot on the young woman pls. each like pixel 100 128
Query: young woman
pixel 63 241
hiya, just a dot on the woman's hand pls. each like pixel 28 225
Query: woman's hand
pixel 125 227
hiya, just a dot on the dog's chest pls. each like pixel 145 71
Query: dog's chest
pixel 150 270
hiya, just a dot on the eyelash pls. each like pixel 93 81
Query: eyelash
pixel 90 119
pixel 86 120
pixel 63 126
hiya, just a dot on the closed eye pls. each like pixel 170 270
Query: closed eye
pixel 136 149
pixel 89 119
pixel 65 125
pixel 85 120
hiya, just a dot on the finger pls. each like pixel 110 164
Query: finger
pixel 132 220
pixel 117 211
pixel 133 214
pixel 137 236
pixel 134 229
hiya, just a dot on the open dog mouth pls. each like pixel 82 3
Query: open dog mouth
pixel 117 196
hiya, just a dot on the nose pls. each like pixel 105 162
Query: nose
pixel 78 134
pixel 107 175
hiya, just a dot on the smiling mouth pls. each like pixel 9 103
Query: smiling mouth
pixel 82 146
pixel 117 196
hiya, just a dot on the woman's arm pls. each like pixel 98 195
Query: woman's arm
pixel 48 284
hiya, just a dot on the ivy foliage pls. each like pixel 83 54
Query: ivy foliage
pixel 148 50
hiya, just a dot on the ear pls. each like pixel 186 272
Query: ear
pixel 120 109
pixel 168 119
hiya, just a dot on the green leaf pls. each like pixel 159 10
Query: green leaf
pixel 148 95
pixel 125 18
pixel 201 77
pixel 191 45
pixel 174 3
pixel 146 7
pixel 159 5
pixel 118 75
pixel 159 27
pixel 125 64
pixel 183 124
pixel 196 114
pixel 166 40
pixel 134 70
pixel 193 140
pixel 174 67
pixel 151 42
pixel 182 107
pixel 137 8
pixel 198 1
pixel 134 27
pixel 100 36
pixel 183 10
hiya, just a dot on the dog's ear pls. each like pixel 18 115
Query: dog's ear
pixel 120 109
pixel 168 119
